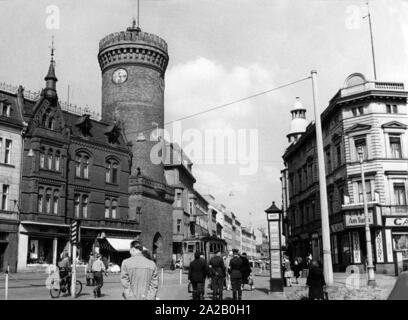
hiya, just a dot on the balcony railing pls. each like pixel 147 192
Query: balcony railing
pixel 372 85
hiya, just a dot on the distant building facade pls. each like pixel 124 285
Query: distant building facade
pixel 371 116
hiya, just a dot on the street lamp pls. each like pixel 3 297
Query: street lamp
pixel 370 266
pixel 275 248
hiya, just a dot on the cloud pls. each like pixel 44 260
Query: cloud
pixel 201 84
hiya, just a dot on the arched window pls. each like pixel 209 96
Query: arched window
pixel 55 201
pixel 111 171
pixel 57 160
pixel 49 159
pixel 82 161
pixel 50 123
pixel 40 200
pixel 48 201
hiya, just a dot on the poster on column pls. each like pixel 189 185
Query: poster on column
pixel 274 235
pixel 275 264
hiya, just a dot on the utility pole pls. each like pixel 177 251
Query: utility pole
pixel 370 266
pixel 372 41
pixel 327 259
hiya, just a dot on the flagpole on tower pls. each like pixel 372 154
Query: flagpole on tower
pixel 372 41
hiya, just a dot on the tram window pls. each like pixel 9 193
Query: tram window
pixel 190 248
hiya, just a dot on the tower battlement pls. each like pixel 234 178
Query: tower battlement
pixel 133 47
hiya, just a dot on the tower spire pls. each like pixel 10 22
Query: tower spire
pixel 50 79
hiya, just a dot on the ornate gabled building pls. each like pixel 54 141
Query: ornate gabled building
pixel 74 167
pixel 371 116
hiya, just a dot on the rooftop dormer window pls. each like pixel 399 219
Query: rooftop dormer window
pixel 5 109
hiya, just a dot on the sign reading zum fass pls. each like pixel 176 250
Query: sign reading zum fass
pixel 357 219
pixel 396 222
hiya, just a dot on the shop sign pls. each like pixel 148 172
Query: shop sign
pixel 379 246
pixel 337 227
pixel 396 222
pixel 357 219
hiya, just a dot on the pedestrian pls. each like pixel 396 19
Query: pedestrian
pixel 64 267
pixel 227 275
pixel 98 268
pixel 217 272
pixel 297 268
pixel 245 270
pixel 197 273
pixel 139 276
pixel 90 281
pixel 288 273
pixel 316 282
pixel 236 275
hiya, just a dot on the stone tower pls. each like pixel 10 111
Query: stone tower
pixel 133 65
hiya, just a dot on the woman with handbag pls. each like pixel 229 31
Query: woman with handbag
pixel 288 274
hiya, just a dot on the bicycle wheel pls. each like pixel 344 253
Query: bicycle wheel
pixel 78 288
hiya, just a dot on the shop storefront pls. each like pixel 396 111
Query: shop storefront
pixel 41 244
pixel 396 234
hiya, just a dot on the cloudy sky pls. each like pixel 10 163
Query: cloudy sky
pixel 220 51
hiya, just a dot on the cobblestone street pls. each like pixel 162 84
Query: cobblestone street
pixel 31 286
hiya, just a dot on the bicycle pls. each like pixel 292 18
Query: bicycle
pixel 64 285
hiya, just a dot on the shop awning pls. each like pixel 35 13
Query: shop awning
pixel 120 245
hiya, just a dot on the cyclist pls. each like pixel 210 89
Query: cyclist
pixel 64 270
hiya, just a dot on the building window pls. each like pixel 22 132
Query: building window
pixel 42 158
pixel 114 208
pixel 107 208
pixel 368 191
pixel 400 240
pixel 330 204
pixel 40 200
pixel 395 146
pixel 57 161
pixel 85 206
pixel 357 111
pixel 111 171
pixel 300 179
pixel 5 109
pixel 5 197
pixel 48 201
pixel 338 152
pixel 49 159
pixel 178 198
pixel 361 143
pixel 7 154
pixel 178 225
pixel 328 160
pixel 392 108
pixel 82 165
pixel 85 163
pixel 55 201
pixel 76 205
pixel 400 194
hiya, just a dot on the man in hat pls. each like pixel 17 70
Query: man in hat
pixel 197 273
pixel 139 276
pixel 236 275
pixel 98 267
pixel 217 272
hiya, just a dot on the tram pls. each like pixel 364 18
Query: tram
pixel 207 245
